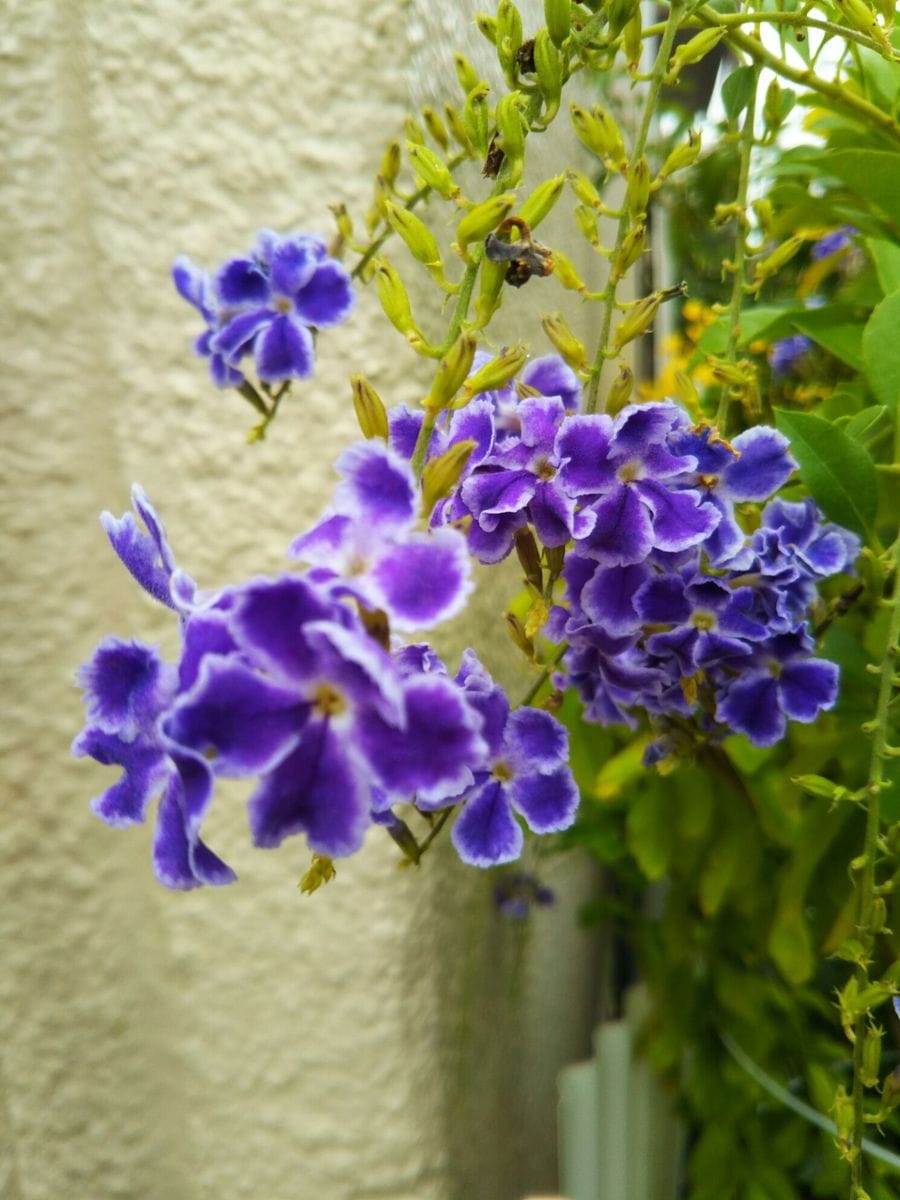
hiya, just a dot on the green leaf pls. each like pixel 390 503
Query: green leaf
pixel 648 832
pixel 872 174
pixel 886 257
pixel 881 350
pixel 837 328
pixel 790 944
pixel 838 471
pixel 870 424
pixel 737 90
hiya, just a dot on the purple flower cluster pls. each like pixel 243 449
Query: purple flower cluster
pixel 669 604
pixel 268 303
pixel 294 682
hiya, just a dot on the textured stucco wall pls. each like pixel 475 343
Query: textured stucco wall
pixel 389 1037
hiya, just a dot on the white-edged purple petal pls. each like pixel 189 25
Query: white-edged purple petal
pixel 192 284
pixel 608 598
pixel 324 544
pixel 292 264
pixel 679 520
pixel 361 670
pixel 492 546
pixel 490 494
pixel 474 423
pixel 535 741
pixel 550 376
pixel 423 580
pixel 319 790
pixel 485 832
pixel 145 771
pixel 283 349
pixel 241 283
pixel 582 450
pixel 808 686
pixel 139 554
pixel 637 425
pixel 236 337
pixel 548 802
pixel 539 421
pixel 268 623
pixel 661 601
pixel 623 533
pixel 763 465
pixel 750 706
pixel 328 298
pixel 126 685
pixel 377 485
pixel 552 513
pixel 248 723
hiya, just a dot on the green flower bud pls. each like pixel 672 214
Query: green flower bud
pixel 457 128
pixel 476 117
pixel 779 258
pixel 879 914
pixel 637 193
pixel 376 212
pixel 433 170
pixel 632 41
pixel 370 410
pixel 871 1056
pixel 413 130
pixel 414 232
pixel 516 631
pixel 565 341
pixel 600 133
pixel 549 68
pixel 816 785
pixel 842 1111
pixel 586 220
pixel 630 251
pixel 511 128
pixel 509 37
pixel 620 390
pixel 436 128
pixel 772 107
pixel 765 215
pixel 492 276
pixel 542 200
pixel 584 189
pixel 860 15
pixel 682 156
pixel 487 26
pixel 558 15
pixel 391 163
pixel 566 274
pixel 452 371
pixel 638 319
pixel 692 51
pixel 483 219
pixel 343 220
pixel 619 13
pixel 394 299
pixel 497 371
pixel 441 475
pixel 465 73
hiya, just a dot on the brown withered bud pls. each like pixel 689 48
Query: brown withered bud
pixel 530 558
pixel 525 57
pixel 526 257
pixel 494 159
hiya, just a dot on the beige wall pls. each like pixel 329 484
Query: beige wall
pixel 389 1037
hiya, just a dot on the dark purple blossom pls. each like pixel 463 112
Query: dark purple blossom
pixel 834 242
pixel 788 352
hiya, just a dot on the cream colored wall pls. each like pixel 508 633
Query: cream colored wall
pixel 380 1039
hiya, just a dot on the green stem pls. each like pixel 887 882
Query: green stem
pixel 867 879
pixel 852 104
pixel 740 251
pixel 609 293
pixel 792 19
pixel 548 670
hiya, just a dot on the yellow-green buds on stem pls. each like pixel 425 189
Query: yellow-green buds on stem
pixel 321 871
pixel 433 170
pixel 637 192
pixel 436 128
pixel 369 407
pixel 415 233
pixel 542 200
pixel 679 158
pixel 482 220
pixel 487 26
pixel 871 1056
pixel 476 117
pixel 600 133
pixel 391 163
pixel 633 42
pixel 465 72
pixel 558 15
pixel 692 51
pixel 772 263
pixel 641 315
pixel 861 16
pixel 630 251
pixel 496 373
pixel 452 372
pixel 565 341
pixel 548 65
pixel 566 274
pixel 492 276
pixel 509 38
pixel 441 475
pixel 511 128
pixel 620 390
pixel 395 301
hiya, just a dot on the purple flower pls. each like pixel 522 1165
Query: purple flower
pixel 525 773
pixel 268 304
pixel 367 546
pixel 834 242
pixel 786 353
pixel 147 556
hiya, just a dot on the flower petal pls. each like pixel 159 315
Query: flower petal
pixel 548 802
pixel 126 686
pixel 283 350
pixel 751 706
pixel 328 298
pixel 424 580
pixel 377 485
pixel 486 833
pixel 535 741
pixel 808 686
pixel 764 464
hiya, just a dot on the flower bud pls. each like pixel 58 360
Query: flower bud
pixel 879 914
pixel 530 558
pixel 772 107
pixel 871 1056
pixel 620 390
pixel 441 475
pixel 343 221
pixel 487 26
pixel 816 785
pixel 414 232
pixel 476 117
pixel 509 37
pixel 637 320
pixel 391 163
pixel 584 190
pixel 637 193
pixel 558 15
pixel 413 130
pixel 633 42
pixel 483 219
pixel 457 129
pixel 682 156
pixel 516 631
pixel 566 274
pixel 452 371
pixel 511 128
pixel 565 341
pixel 433 170
pixel 586 220
pixel 630 251
pixel 779 258
pixel 765 215
pixel 376 212
pixel 599 132
pixel 619 13
pixel 549 68
pixel 542 200
pixel 436 128
pixel 860 15
pixel 394 299
pixel 497 371
pixel 370 410
pixel 465 73
pixel 692 51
